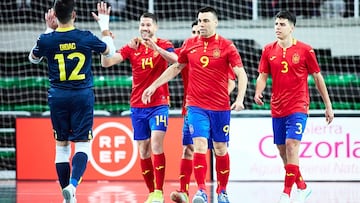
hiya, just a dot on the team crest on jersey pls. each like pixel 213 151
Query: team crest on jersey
pixel 216 53
pixel 295 58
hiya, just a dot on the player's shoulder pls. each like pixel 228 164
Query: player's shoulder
pixel 223 39
pixel 302 44
pixel 270 45
pixel 83 32
pixel 193 39
pixel 161 41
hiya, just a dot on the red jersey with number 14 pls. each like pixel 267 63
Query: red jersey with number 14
pixel 209 61
pixel 147 65
pixel 289 69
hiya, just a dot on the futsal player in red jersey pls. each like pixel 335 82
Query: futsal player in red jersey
pixel 149 57
pixel 186 163
pixel 209 58
pixel 289 62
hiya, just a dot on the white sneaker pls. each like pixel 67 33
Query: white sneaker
pixel 302 195
pixel 200 197
pixel 69 194
pixel 223 197
pixel 284 198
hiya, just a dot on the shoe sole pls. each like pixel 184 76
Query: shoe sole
pixel 306 197
pixel 67 196
pixel 198 200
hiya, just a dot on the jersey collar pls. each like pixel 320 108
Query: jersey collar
pixel 210 39
pixel 65 29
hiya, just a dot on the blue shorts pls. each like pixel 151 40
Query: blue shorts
pixel 72 113
pixel 213 125
pixel 186 136
pixel 145 120
pixel 291 126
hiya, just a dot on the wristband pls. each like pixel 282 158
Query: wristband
pixel 103 22
pixel 110 44
pixel 34 60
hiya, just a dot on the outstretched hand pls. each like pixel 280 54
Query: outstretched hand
pixel 103 16
pixel 50 19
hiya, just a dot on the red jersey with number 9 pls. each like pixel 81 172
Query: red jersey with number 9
pixel 209 61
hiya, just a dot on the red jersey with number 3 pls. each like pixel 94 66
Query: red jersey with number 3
pixel 209 61
pixel 289 69
pixel 147 65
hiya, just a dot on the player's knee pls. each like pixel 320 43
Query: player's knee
pixel 62 154
pixel 188 151
pixel 82 147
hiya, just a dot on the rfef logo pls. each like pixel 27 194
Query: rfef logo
pixel 113 150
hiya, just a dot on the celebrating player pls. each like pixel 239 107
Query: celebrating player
pixel 209 58
pixel 149 57
pixel 71 97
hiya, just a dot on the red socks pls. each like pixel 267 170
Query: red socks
pixel 222 172
pixel 200 169
pixel 186 167
pixel 159 170
pixel 148 173
pixel 291 174
pixel 300 182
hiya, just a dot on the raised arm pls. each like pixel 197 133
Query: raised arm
pixel 170 57
pixel 51 25
pixel 166 76
pixel 108 58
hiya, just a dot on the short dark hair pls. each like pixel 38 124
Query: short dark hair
pixel 63 10
pixel 208 9
pixel 286 15
pixel 195 22
pixel 150 15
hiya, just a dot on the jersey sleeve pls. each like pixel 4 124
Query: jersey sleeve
pixel 311 61
pixel 264 64
pixel 231 73
pixel 167 45
pixel 182 56
pixel 234 57
pixel 125 51
pixel 37 51
pixel 97 45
